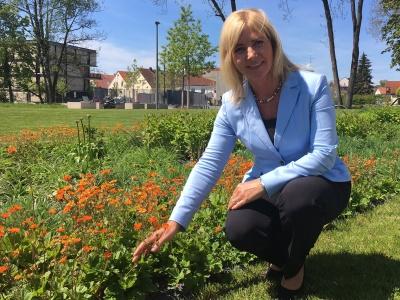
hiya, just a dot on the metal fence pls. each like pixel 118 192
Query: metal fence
pixel 174 98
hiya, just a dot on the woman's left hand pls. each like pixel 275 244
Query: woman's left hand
pixel 246 192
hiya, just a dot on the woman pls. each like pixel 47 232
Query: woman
pixel 286 118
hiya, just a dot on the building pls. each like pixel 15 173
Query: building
pixel 100 84
pixel 74 72
pixel 220 86
pixel 392 86
pixel 344 84
pixel 144 84
pixel 382 91
pixel 200 84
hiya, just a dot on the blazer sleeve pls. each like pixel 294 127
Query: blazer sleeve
pixel 207 170
pixel 322 154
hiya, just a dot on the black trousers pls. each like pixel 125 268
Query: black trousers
pixel 282 230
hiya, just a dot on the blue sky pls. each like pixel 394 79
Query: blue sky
pixel 129 26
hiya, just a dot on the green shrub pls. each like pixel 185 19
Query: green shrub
pixel 185 133
pixel 365 99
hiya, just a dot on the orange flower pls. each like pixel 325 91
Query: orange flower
pixel 14 208
pixel 63 260
pixel 84 219
pixel 27 221
pixel 218 229
pixel 87 248
pixel 61 229
pixel 73 240
pixel 67 178
pixel 11 149
pixel 13 230
pixel 68 207
pixel 5 215
pixel 3 269
pixel 128 201
pixel 105 172
pixel 113 201
pixel 107 255
pixel 137 226
pixel 33 226
pixel 52 211
pixel 152 174
pixel 18 277
pixel 153 220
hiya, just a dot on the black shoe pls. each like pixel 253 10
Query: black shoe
pixel 273 275
pixel 285 294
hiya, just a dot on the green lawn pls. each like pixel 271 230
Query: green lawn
pixel 15 117
pixel 358 259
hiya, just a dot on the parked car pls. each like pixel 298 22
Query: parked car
pixel 109 103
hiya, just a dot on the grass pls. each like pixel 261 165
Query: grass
pixel 358 259
pixel 16 117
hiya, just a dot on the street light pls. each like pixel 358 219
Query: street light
pixel 157 23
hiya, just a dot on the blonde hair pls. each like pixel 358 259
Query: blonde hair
pixel 255 20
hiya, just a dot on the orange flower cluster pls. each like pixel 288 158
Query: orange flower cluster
pixel 28 136
pixel 360 167
pixel 3 269
pixel 11 149
pixel 233 173
pixel 89 214
pixel 7 214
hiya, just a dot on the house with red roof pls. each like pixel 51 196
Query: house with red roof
pixel 100 85
pixel 200 84
pixel 393 86
pixel 144 84
pixel 390 88
pixel 382 91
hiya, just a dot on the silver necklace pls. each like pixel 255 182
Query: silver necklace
pixel 269 99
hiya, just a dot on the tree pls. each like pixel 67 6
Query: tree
pixel 15 58
pixel 356 17
pixel 132 75
pixel 363 83
pixel 66 22
pixel 188 49
pixel 391 30
pixel 216 5
pixel 332 52
pixel 382 83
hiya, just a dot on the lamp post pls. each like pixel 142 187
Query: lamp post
pixel 157 23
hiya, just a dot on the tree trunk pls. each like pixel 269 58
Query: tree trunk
pixel 188 92
pixel 233 5
pixel 329 25
pixel 8 76
pixel 188 83
pixel 37 79
pixel 356 18
pixel 183 90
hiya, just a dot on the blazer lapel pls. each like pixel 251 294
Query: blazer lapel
pixel 253 118
pixel 287 103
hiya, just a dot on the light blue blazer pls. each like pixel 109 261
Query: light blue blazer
pixel 305 142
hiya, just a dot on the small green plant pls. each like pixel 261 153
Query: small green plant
pixel 90 148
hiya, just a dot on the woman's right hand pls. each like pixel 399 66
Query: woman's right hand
pixel 155 240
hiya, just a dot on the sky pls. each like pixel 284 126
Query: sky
pixel 130 33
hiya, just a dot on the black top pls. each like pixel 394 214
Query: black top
pixel 270 125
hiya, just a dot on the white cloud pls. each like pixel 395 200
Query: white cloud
pixel 111 58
